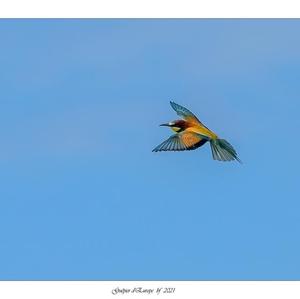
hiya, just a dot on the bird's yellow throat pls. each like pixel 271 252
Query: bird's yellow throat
pixel 176 129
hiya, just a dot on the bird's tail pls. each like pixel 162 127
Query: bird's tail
pixel 223 150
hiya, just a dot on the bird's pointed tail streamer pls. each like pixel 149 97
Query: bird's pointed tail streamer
pixel 222 150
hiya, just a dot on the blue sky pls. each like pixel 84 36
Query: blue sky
pixel 82 195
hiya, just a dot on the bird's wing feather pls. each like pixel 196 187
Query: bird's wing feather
pixel 185 113
pixel 181 142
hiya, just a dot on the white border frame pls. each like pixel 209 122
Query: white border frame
pixel 183 289
pixel 149 9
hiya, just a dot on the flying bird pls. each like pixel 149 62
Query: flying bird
pixel 191 133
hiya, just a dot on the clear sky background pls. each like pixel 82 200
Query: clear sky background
pixel 82 195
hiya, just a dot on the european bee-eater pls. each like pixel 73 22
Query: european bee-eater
pixel 191 133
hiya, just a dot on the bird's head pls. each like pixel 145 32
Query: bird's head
pixel 176 125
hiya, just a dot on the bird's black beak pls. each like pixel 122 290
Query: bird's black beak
pixel 165 125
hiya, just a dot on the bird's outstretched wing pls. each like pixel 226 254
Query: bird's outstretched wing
pixel 185 113
pixel 181 142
